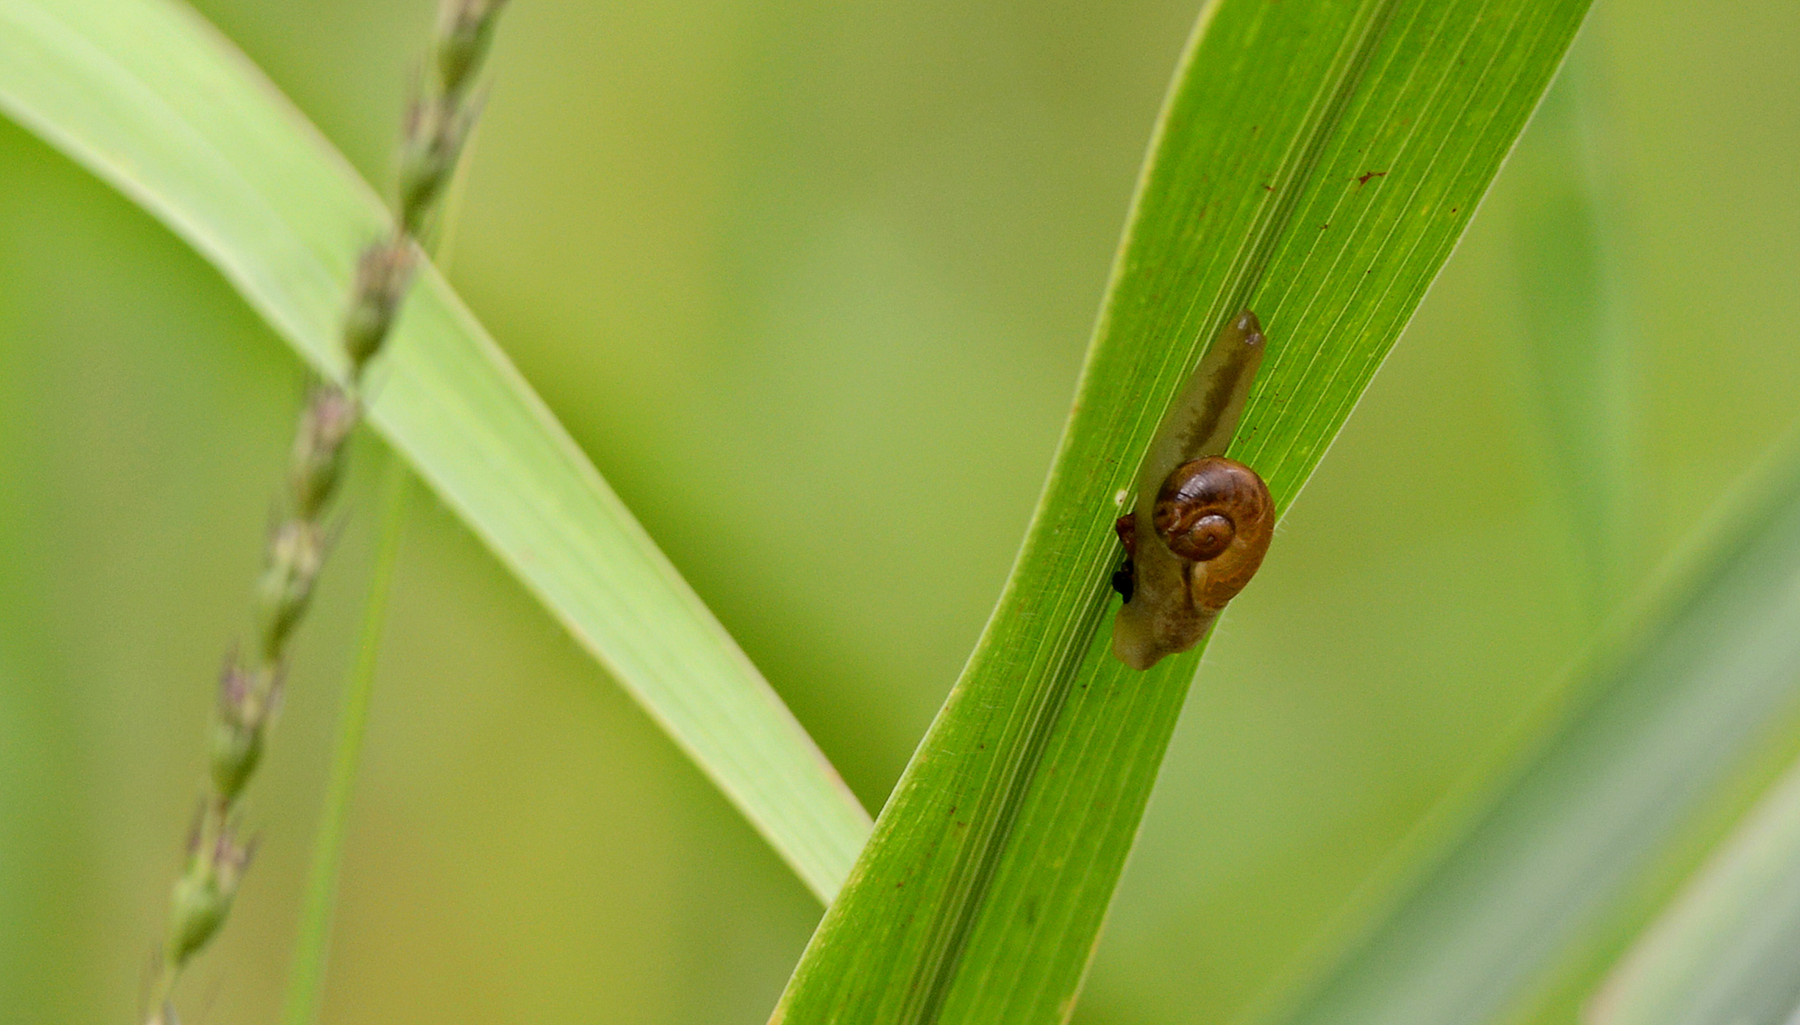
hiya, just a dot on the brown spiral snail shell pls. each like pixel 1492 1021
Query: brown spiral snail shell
pixel 1216 514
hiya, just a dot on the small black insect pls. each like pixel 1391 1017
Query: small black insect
pixel 1124 579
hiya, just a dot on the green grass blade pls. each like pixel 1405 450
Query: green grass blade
pixel 312 943
pixel 1724 951
pixel 1578 347
pixel 1316 163
pixel 151 99
pixel 1523 914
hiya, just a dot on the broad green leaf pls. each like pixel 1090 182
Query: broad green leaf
pixel 1527 909
pixel 1725 949
pixel 1315 162
pixel 147 96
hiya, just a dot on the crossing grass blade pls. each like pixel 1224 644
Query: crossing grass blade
pixel 149 98
pixel 1314 163
pixel 1523 914
pixel 1724 949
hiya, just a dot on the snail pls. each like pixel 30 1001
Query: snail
pixel 1201 522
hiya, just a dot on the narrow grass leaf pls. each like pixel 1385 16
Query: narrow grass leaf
pixel 1521 917
pixel 1724 950
pixel 1315 163
pixel 312 941
pixel 151 99
pixel 1567 240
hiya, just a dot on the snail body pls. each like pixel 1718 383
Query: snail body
pixel 1202 522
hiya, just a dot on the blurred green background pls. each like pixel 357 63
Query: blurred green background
pixel 757 256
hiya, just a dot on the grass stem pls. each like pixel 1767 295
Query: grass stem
pixel 306 976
